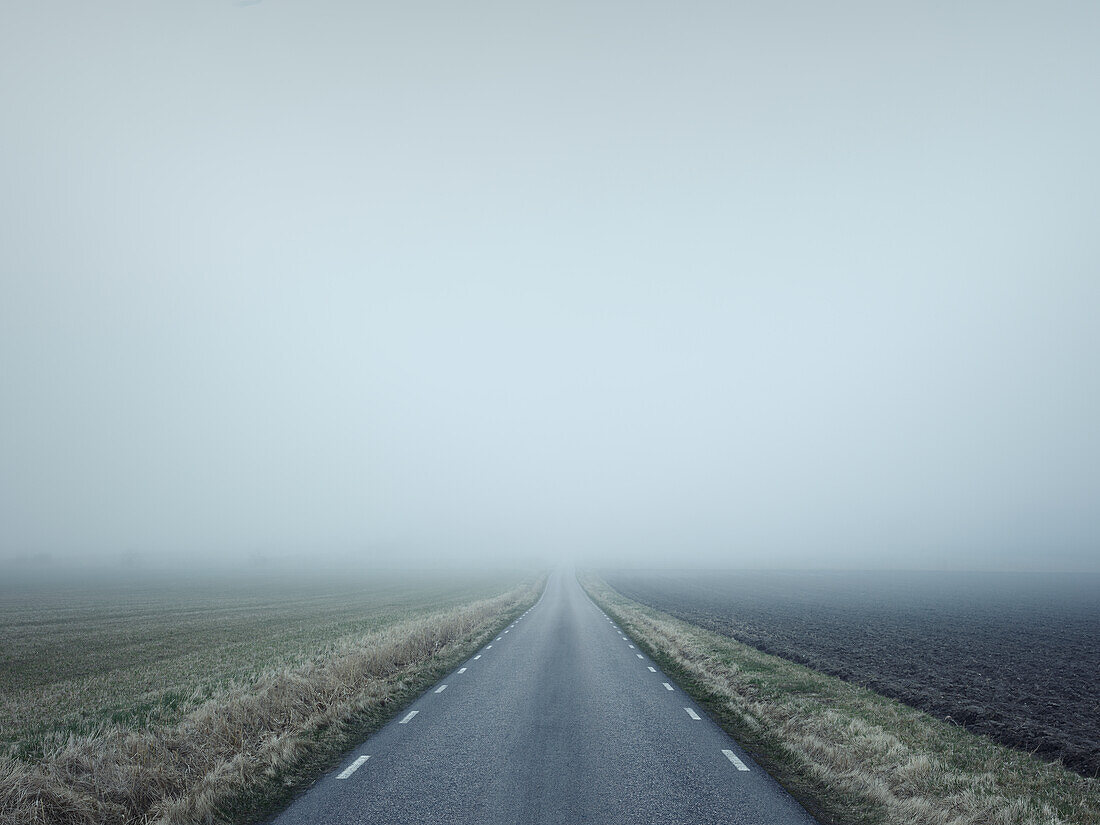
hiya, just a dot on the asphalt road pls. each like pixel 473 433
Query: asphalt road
pixel 559 720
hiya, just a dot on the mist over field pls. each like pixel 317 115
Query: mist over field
pixel 344 286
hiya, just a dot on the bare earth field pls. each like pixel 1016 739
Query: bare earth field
pixel 1015 657
pixel 167 700
pixel 851 755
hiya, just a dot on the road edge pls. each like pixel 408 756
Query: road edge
pixel 920 776
pixel 275 796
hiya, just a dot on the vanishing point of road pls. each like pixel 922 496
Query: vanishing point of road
pixel 558 719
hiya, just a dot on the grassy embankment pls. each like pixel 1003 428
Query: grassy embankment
pixel 850 755
pixel 178 704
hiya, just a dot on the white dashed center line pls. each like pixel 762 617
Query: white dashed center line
pixel 354 766
pixel 631 646
pixel 462 670
pixel 667 686
pixel 651 670
pixel 441 688
pixel 741 766
pixel 639 655
pixel 488 647
pixel 692 713
pixel 478 656
pixel 405 721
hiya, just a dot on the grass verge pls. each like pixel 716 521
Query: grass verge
pixel 243 752
pixel 848 754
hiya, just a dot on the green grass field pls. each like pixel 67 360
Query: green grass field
pixel 73 657
pixel 108 673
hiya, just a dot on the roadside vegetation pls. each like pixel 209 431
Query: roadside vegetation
pixel 207 705
pixel 1011 656
pixel 848 754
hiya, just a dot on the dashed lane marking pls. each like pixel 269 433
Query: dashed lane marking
pixel 667 686
pixel 441 688
pixel 352 768
pixel 639 655
pixel 462 670
pixel 732 757
pixel 405 721
pixel 692 714
pixel 651 670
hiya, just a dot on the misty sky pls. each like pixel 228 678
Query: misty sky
pixel 773 284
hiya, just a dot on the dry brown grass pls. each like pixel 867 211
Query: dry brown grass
pixel 144 651
pixel 238 750
pixel 850 755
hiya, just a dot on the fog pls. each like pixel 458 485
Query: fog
pixel 774 285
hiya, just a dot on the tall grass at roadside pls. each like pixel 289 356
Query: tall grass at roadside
pixel 148 649
pixel 850 755
pixel 240 750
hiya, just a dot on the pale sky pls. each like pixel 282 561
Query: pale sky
pixel 781 284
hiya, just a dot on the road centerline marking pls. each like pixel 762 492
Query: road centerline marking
pixel 441 688
pixel 462 670
pixel 352 768
pixel 667 685
pixel 653 670
pixel 732 757
pixel 693 714
pixel 639 655
pixel 405 721
pixel 478 656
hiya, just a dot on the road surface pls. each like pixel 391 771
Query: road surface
pixel 560 719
